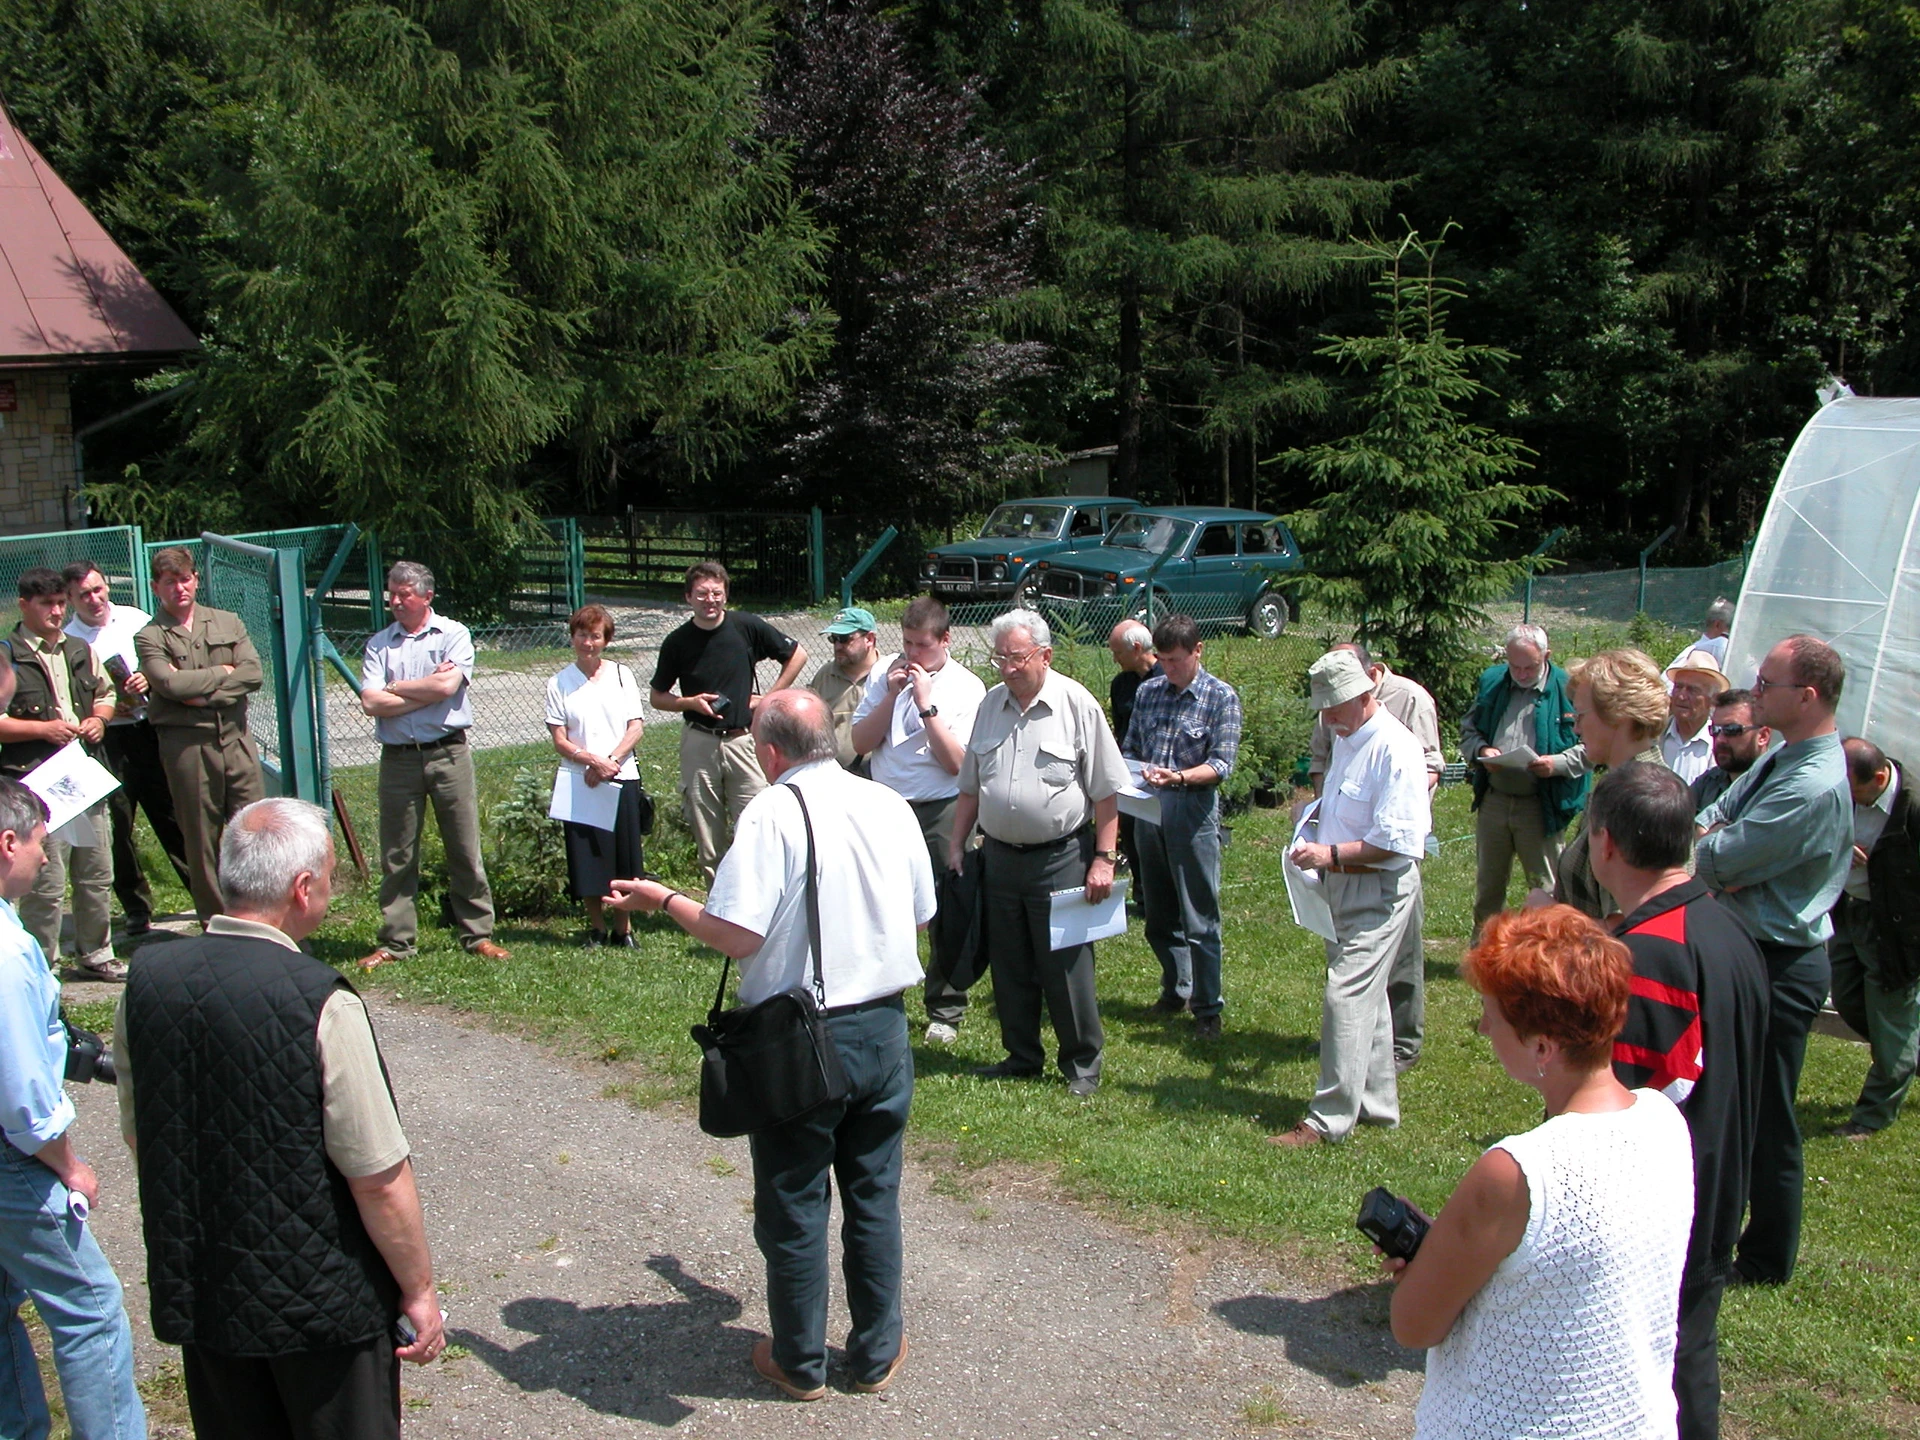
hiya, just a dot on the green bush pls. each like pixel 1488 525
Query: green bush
pixel 526 852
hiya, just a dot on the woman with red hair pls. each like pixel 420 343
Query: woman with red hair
pixel 1547 1291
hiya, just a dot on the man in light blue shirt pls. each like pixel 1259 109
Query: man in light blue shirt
pixel 1775 848
pixel 417 675
pixel 47 1251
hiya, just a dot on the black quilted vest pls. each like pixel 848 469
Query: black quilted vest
pixel 254 1243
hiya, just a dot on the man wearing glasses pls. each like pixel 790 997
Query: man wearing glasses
pixel 1692 682
pixel 1775 850
pixel 842 681
pixel 1042 775
pixel 1738 741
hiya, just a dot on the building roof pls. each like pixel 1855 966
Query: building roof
pixel 69 296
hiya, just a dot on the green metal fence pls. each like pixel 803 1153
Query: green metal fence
pixel 349 600
pixel 769 555
pixel 1676 595
pixel 115 549
pixel 540 578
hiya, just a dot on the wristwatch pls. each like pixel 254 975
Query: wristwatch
pixel 929 712
pixel 1112 857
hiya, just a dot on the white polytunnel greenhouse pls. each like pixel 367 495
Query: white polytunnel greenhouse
pixel 1837 557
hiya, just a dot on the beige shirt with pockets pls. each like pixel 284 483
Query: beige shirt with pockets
pixel 1038 772
pixel 358 1123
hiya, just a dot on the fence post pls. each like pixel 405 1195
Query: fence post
pixel 817 555
pixel 874 552
pixel 1526 606
pixel 376 584
pixel 576 565
pixel 1640 602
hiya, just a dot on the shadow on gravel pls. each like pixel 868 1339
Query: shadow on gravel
pixel 631 1360
pixel 1342 1336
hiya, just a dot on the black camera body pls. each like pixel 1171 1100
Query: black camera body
pixel 88 1058
pixel 1397 1226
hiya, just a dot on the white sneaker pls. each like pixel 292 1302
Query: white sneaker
pixel 941 1034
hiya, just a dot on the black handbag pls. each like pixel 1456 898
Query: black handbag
pixel 774 1062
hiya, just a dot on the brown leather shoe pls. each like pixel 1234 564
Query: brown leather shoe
pixel 1303 1134
pixel 382 956
pixel 767 1370
pixel 487 950
pixel 874 1387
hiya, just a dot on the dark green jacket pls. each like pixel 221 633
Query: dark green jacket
pixel 1561 798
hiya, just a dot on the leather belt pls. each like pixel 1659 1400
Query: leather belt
pixel 1352 869
pixel 1042 845
pixel 452 737
pixel 879 1002
pixel 722 734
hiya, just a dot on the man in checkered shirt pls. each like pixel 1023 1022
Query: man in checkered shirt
pixel 1186 730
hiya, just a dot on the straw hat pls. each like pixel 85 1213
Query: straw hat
pixel 1700 662
pixel 1337 677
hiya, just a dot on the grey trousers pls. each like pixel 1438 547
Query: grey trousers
pixel 408 780
pixel 1407 987
pixel 1887 1019
pixel 945 1004
pixel 1027 970
pixel 1506 826
pixel 1371 914
pixel 1179 889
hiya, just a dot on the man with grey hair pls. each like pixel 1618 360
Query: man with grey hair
pixel 874 889
pixel 415 683
pixel 1131 645
pixel 1042 776
pixel 1521 810
pixel 1713 638
pixel 1367 840
pixel 285 1239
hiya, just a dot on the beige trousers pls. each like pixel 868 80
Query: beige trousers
pixel 717 779
pixel 1506 826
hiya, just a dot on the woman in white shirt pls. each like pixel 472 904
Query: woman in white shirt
pixel 1547 1291
pixel 595 711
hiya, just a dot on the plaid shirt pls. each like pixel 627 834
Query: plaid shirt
pixel 1178 729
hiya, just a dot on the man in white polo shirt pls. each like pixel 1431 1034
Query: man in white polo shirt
pixel 1692 683
pixel 928 704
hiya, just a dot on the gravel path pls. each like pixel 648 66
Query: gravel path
pixel 598 1266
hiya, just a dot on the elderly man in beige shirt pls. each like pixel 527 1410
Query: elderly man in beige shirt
pixel 1042 775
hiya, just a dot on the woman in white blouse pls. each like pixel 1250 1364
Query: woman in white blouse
pixel 595 712
pixel 1547 1291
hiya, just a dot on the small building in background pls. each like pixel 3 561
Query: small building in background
pixel 1086 472
pixel 70 300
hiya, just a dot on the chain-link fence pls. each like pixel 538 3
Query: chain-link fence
pixel 354 598
pixel 242 580
pixel 1676 595
pixel 115 549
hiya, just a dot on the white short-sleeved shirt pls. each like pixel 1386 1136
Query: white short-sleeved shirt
pixel 595 713
pixel 1689 759
pixel 1376 789
pixel 910 767
pixel 114 638
pixel 876 887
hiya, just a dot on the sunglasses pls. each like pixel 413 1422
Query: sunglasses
pixel 1732 732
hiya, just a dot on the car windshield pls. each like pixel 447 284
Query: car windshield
pixel 1025 522
pixel 1155 534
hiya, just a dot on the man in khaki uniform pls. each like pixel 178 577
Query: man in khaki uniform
pixel 200 666
pixel 1042 774
pixel 842 681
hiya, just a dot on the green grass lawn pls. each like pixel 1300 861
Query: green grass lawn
pixel 1175 1136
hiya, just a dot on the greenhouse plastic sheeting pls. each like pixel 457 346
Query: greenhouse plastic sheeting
pixel 1838 556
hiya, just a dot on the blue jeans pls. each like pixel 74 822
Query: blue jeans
pixel 1179 879
pixel 859 1142
pixel 47 1254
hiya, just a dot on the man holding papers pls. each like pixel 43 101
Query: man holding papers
pixel 1371 834
pixel 62 696
pixel 1040 765
pixel 1186 727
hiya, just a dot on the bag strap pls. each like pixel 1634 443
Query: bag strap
pixel 813 902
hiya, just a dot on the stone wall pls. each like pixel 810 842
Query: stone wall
pixel 36 453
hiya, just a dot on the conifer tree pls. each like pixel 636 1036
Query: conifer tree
pixel 1413 501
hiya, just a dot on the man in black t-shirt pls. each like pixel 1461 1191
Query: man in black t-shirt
pixel 1696 1031
pixel 711 659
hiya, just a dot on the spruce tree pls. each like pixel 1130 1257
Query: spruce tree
pixel 1413 501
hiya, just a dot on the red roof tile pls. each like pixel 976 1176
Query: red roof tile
pixel 68 294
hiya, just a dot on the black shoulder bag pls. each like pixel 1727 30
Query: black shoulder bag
pixel 774 1062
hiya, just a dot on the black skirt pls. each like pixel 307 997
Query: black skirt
pixel 596 858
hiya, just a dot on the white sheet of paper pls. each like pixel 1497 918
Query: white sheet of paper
pixel 1072 921
pixel 1139 799
pixel 1306 891
pixel 906 718
pixel 72 782
pixel 584 804
pixel 1517 759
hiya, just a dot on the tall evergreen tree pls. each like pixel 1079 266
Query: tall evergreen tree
pixel 1404 540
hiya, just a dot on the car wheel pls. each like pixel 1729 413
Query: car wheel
pixel 1161 605
pixel 1268 617
pixel 1026 595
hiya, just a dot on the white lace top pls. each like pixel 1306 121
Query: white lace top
pixel 1573 1334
